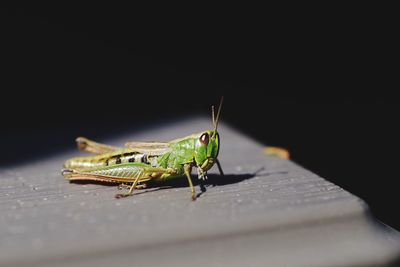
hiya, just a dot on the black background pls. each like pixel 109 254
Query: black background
pixel 316 80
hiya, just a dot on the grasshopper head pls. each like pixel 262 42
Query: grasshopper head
pixel 207 146
pixel 206 150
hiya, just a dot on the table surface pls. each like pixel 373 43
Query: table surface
pixel 266 211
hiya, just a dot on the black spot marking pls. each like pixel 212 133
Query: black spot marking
pixel 144 159
pixel 130 156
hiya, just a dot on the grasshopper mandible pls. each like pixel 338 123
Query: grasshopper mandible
pixel 141 162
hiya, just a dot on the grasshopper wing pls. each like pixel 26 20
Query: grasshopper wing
pixel 149 148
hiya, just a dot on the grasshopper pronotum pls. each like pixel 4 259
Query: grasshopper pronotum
pixel 141 162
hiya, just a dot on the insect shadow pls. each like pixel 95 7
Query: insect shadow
pixel 213 180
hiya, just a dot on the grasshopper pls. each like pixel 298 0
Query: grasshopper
pixel 140 162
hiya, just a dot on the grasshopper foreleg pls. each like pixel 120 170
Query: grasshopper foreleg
pixel 220 168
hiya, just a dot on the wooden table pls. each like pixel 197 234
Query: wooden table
pixel 266 211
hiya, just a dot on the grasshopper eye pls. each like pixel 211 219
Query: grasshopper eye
pixel 204 139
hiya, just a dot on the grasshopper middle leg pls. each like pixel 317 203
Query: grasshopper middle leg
pixel 187 168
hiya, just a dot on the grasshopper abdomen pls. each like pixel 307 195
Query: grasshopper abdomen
pixel 108 159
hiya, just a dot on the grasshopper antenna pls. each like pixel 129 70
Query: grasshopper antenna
pixel 213 116
pixel 216 119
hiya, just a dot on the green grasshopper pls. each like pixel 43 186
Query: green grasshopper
pixel 141 162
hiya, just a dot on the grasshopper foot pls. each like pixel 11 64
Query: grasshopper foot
pixel 127 186
pixel 118 196
pixel 123 186
pixel 141 186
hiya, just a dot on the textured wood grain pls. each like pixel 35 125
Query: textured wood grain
pixel 265 212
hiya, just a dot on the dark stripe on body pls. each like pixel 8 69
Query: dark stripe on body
pixel 130 156
pixel 118 157
pixel 126 157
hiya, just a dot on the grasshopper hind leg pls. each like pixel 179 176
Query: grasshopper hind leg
pixel 132 187
pixel 127 186
pixel 135 174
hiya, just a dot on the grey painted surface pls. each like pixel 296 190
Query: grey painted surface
pixel 266 212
